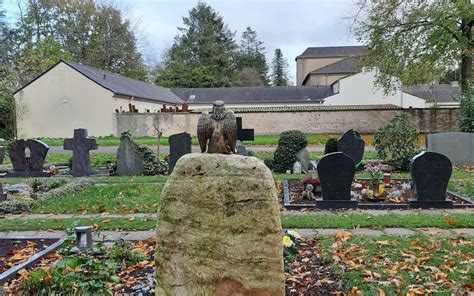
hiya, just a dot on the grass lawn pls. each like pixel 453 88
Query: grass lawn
pixel 97 159
pixel 417 265
pixel 313 139
pixel 288 221
pixel 116 198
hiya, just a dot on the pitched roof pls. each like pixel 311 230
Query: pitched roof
pixel 122 85
pixel 254 94
pixel 348 65
pixel 440 93
pixel 332 51
pixel 119 84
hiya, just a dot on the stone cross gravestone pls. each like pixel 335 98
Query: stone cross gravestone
pixel 129 158
pixel 80 146
pixel 457 146
pixel 180 144
pixel 27 157
pixel 244 134
pixel 219 229
pixel 431 172
pixel 336 172
pixel 351 145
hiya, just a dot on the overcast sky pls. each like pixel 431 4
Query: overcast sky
pixel 290 25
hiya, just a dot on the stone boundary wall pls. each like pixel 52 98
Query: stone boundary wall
pixel 428 120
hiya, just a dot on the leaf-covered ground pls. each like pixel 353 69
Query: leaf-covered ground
pixel 418 265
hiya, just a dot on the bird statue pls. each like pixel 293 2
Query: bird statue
pixel 219 129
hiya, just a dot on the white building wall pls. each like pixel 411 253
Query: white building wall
pixel 63 99
pixel 359 89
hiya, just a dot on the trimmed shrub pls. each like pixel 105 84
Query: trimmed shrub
pixel 397 142
pixel 331 146
pixel 269 163
pixel 289 143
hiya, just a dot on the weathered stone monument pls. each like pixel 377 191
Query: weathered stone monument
pixel 457 146
pixel 240 148
pixel 352 145
pixel 27 157
pixel 180 144
pixel 219 229
pixel 129 158
pixel 80 146
pixel 303 157
pixel 243 135
pixel 336 172
pixel 431 172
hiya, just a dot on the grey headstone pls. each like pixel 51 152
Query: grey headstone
pixel 3 197
pixel 240 148
pixel 180 144
pixel 457 146
pixel 80 146
pixel 336 172
pixel 303 158
pixel 20 188
pixel 2 154
pixel 431 172
pixel 351 145
pixel 313 164
pixel 24 167
pixel 129 159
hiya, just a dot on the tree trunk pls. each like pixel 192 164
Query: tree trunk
pixel 466 56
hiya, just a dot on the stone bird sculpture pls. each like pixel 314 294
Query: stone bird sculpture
pixel 217 132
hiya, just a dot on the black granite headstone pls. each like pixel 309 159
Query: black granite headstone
pixel 351 145
pixel 27 157
pixel 244 134
pixel 180 144
pixel 336 172
pixel 80 146
pixel 431 172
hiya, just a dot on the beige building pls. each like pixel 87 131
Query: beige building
pixel 69 96
pixel 325 65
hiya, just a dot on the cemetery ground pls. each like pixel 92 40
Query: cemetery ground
pixel 360 252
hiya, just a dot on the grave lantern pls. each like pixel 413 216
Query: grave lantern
pixel 83 237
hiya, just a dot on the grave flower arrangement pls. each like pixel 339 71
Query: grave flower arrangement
pixel 290 243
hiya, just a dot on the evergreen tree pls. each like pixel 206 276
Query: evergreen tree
pixel 251 59
pixel 279 69
pixel 202 54
pixel 6 80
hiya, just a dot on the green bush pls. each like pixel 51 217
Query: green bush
pixel 289 143
pixel 269 163
pixel 466 113
pixel 331 146
pixel 397 142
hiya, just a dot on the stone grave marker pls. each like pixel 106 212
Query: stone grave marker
pixel 431 172
pixel 336 172
pixel 240 148
pixel 129 158
pixel 303 157
pixel 3 197
pixel 180 144
pixel 80 146
pixel 27 157
pixel 457 146
pixel 351 145
pixel 219 229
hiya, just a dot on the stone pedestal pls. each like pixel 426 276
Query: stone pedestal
pixel 219 229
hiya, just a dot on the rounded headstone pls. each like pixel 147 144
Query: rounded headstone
pixel 219 229
pixel 431 172
pixel 351 145
pixel 336 172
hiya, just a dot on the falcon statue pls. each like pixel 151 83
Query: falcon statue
pixel 220 128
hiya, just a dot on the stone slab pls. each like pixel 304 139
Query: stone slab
pixel 399 231
pixel 463 231
pixel 336 204
pixel 129 159
pixel 442 204
pixel 457 146
pixel 434 231
pixel 367 232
